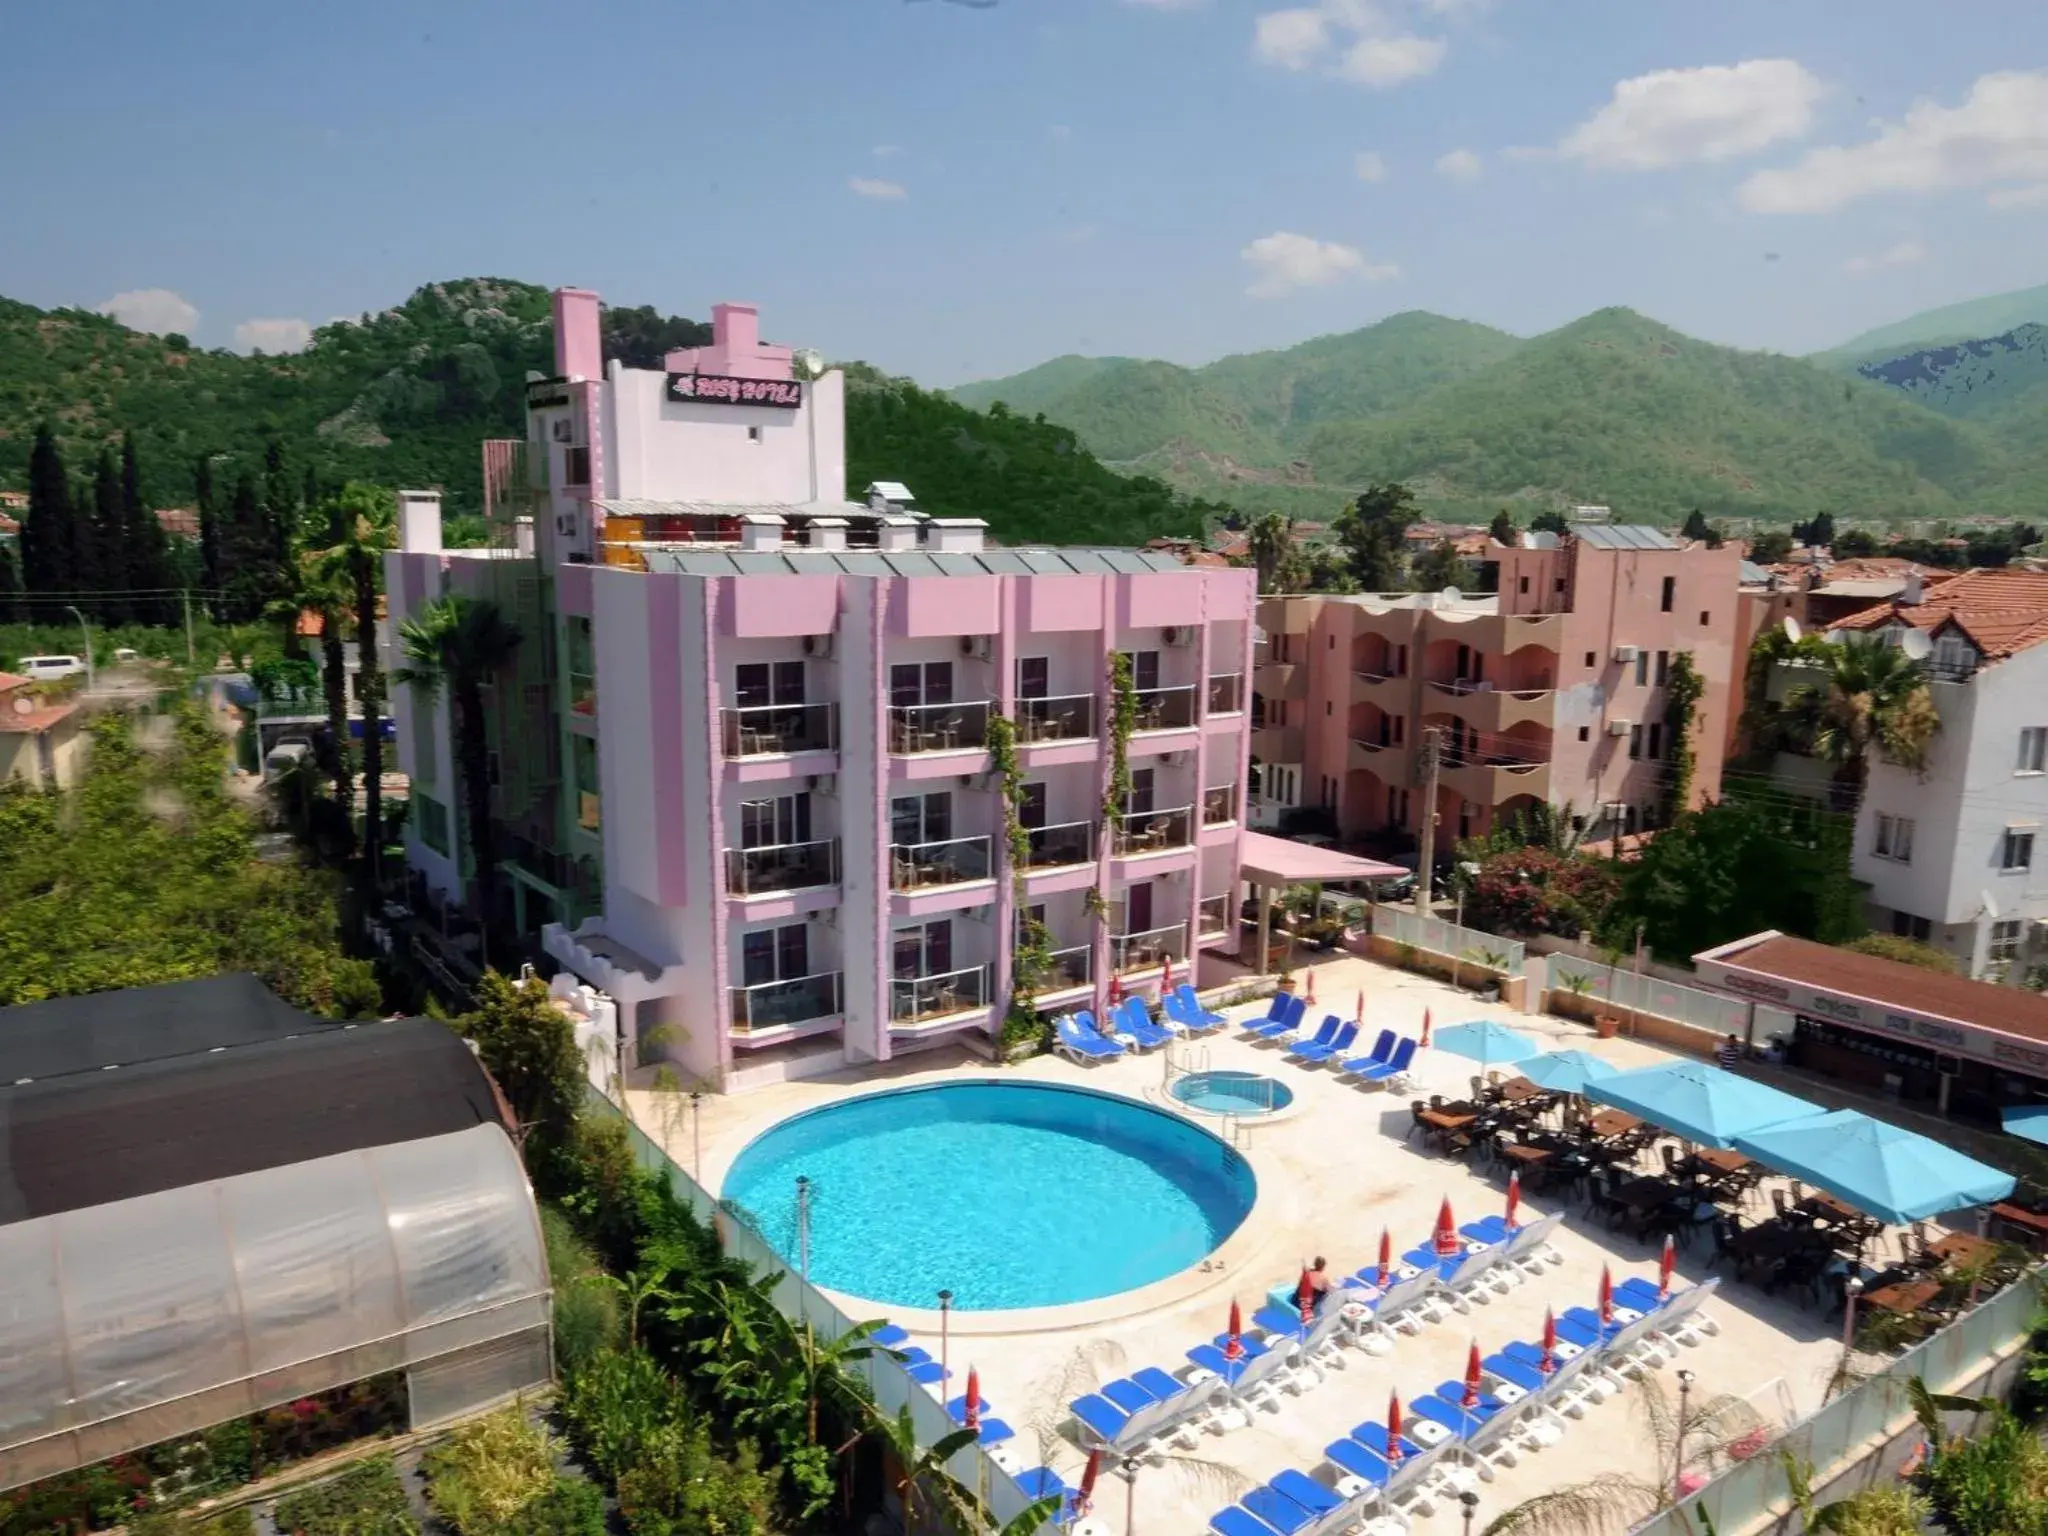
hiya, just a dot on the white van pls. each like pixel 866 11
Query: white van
pixel 45 669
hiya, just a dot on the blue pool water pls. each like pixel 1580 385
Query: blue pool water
pixel 1006 1194
pixel 1233 1093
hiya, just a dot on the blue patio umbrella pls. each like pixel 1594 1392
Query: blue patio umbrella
pixel 1880 1168
pixel 1698 1102
pixel 1565 1071
pixel 1485 1042
pixel 2027 1120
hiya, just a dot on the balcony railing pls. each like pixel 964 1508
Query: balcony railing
pixel 919 999
pixel 1136 951
pixel 918 866
pixel 781 867
pixel 1226 693
pixel 1166 709
pixel 1070 842
pixel 583 693
pixel 1153 831
pixel 781 1004
pixel 1219 805
pixel 1213 916
pixel 1067 968
pixel 769 730
pixel 938 727
pixel 1069 717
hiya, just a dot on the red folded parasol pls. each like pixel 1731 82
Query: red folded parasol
pixel 1116 989
pixel 1233 1345
pixel 1386 1257
pixel 971 1419
pixel 1514 1198
pixel 1393 1428
pixel 1165 977
pixel 1358 1018
pixel 1549 1361
pixel 1085 1499
pixel 1445 1239
pixel 1425 1026
pixel 1606 1297
pixel 1472 1376
pixel 1665 1266
pixel 1308 986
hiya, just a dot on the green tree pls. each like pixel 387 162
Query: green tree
pixel 108 573
pixel 49 533
pixel 1682 690
pixel 1549 522
pixel 1371 531
pixel 359 518
pixel 1892 946
pixel 457 643
pixel 146 562
pixel 1874 702
pixel 1770 547
pixel 325 589
pixel 12 609
pixel 1695 526
pixel 206 499
pixel 528 1046
pixel 1502 529
pixel 1817 531
pixel 1855 544
pixel 280 503
pixel 1441 566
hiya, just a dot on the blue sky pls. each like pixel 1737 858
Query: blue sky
pixel 958 191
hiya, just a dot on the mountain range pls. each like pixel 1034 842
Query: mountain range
pixel 1613 408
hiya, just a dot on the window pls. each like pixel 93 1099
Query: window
pixel 1524 585
pixel 2006 935
pixel 1331 644
pixel 1400 668
pixel 1031 806
pixel 1894 838
pixel 1907 926
pixel 1635 741
pixel 1558 585
pixel 775 954
pixel 1026 916
pixel 1656 748
pixel 1139 801
pixel 2033 749
pixel 753 434
pixel 1663 668
pixel 757 683
pixel 1706 618
pixel 1283 784
pixel 1329 709
pixel 1034 678
pixel 1144 669
pixel 576 466
pixel 2017 851
pixel 1642 669
pixel 583 765
pixel 1400 733
pixel 775 823
pixel 1592 659
pixel 917 819
pixel 1585 733
pixel 1137 908
pixel 433 820
pixel 926 950
pixel 912 683
pixel 1670 594
pixel 1281 646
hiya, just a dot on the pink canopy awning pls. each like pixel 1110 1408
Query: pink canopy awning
pixel 1282 861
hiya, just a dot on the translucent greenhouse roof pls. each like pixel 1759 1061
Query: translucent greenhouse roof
pixel 139 1319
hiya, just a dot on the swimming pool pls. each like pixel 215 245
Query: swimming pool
pixel 1232 1093
pixel 1006 1194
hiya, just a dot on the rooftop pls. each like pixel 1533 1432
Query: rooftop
pixel 29 722
pixel 2002 612
pixel 869 562
pixel 1623 536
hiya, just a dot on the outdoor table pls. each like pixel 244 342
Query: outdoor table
pixel 1522 1152
pixel 1448 1119
pixel 2032 1225
pixel 1517 1090
pixel 1962 1249
pixel 1905 1297
pixel 1821 1204
pixel 1772 1240
pixel 1613 1122
pixel 1721 1160
pixel 1646 1193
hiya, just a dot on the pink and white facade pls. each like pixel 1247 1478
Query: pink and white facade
pixel 783 699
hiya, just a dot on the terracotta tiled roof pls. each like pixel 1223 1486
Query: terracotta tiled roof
pixel 35 721
pixel 183 521
pixel 1900 985
pixel 10 681
pixel 8 525
pixel 2002 611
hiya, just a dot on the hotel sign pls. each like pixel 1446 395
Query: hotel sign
pixel 543 393
pixel 719 389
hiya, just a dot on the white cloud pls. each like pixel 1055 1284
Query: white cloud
pixel 886 151
pixel 1998 135
pixel 276 335
pixel 156 310
pixel 1459 165
pixel 870 186
pixel 1715 112
pixel 1282 262
pixel 1371 49
pixel 2018 197
pixel 1907 253
pixel 1370 165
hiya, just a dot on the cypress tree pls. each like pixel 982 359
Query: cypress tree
pixel 109 539
pixel 209 530
pixel 280 504
pixel 49 534
pixel 148 547
pixel 11 605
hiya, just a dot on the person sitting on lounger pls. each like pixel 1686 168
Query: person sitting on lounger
pixel 1319 1281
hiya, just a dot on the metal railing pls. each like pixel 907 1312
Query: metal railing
pixel 1624 988
pixel 938 727
pixel 1153 831
pixel 1065 968
pixel 1069 717
pixel 1212 916
pixel 1219 805
pixel 768 730
pixel 1136 951
pixel 1226 693
pixel 1166 709
pixel 1067 842
pixel 781 867
pixel 919 999
pixel 914 866
pixel 1470 945
pixel 780 1004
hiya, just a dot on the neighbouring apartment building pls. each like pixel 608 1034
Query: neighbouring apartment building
pixel 1951 855
pixel 1550 689
pixel 742 762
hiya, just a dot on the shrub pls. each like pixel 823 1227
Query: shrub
pixel 1892 946
pixel 1525 891
pixel 1879 1512
pixel 587 1322
pixel 366 1500
pixel 571 1507
pixel 678 1488
pixel 1994 1483
pixel 617 1405
pixel 489 1470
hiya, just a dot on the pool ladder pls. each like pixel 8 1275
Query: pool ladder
pixel 1235 1133
pixel 1192 1058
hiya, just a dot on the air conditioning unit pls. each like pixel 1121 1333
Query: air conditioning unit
pixel 1178 634
pixel 1173 759
pixel 1625 654
pixel 560 428
pixel 1620 727
pixel 826 784
pixel 976 646
pixel 818 645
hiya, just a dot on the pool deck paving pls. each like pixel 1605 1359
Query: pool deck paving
pixel 1332 1172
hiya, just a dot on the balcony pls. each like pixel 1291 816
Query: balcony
pixel 915 728
pixel 781 867
pixel 1219 805
pixel 775 730
pixel 1069 717
pixel 1141 951
pixel 1277 743
pixel 785 1004
pixel 1491 709
pixel 583 694
pixel 1493 779
pixel 1383 759
pixel 921 866
pixel 1212 917
pixel 1226 693
pixel 1165 709
pixel 922 999
pixel 1066 969
pixel 1138 832
pixel 1280 679
pixel 1390 691
pixel 1070 842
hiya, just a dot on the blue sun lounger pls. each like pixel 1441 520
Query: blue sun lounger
pixel 1398 1063
pixel 1131 1019
pixel 1382 1049
pixel 1076 1037
pixel 1442 1407
pixel 1325 1033
pixel 1283 1017
pixel 1639 1294
pixel 1581 1326
pixel 1037 1483
pixel 921 1367
pixel 1361 1462
pixel 888 1336
pixel 990 1431
pixel 1516 1372
pixel 1374 1438
pixel 1489 1230
pixel 1315 1053
pixel 1182 1003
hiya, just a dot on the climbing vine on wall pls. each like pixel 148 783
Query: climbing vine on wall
pixel 1682 689
pixel 1031 958
pixel 1123 719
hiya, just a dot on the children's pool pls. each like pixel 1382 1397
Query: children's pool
pixel 1233 1093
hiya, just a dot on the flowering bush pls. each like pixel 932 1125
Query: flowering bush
pixel 1525 891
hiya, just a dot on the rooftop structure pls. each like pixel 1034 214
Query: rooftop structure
pixel 39 739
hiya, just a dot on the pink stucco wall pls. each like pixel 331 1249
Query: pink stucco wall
pixel 579 349
pixel 1055 603
pixel 572 590
pixel 772 606
pixel 1158 598
pixel 925 606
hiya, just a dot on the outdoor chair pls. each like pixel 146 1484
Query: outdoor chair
pixel 1416 1110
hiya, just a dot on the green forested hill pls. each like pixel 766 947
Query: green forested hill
pixel 2001 381
pixel 404 398
pixel 1992 316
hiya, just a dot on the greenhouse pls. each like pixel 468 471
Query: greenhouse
pixel 188 1239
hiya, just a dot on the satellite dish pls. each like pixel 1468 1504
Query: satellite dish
pixel 24 706
pixel 811 362
pixel 1451 595
pixel 1916 645
pixel 1792 630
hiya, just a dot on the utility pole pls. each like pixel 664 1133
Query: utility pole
pixel 185 597
pixel 1431 764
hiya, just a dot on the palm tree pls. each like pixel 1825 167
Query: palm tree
pixel 1874 700
pixel 1270 539
pixel 359 521
pixel 1618 1501
pixel 639 1288
pixel 329 598
pixel 457 643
